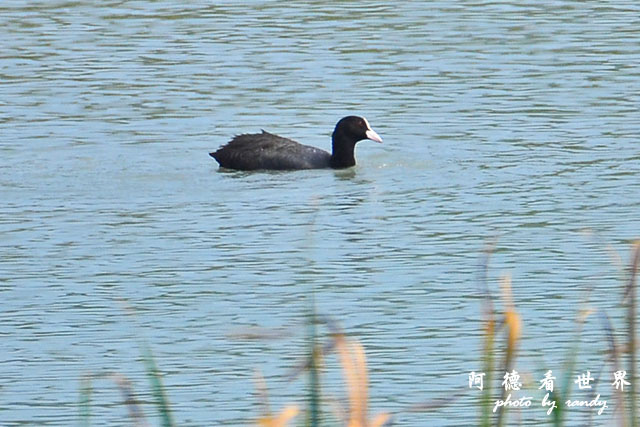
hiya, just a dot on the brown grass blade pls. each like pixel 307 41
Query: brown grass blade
pixel 280 420
pixel 135 412
pixel 351 371
pixel 381 420
pixel 270 420
pixel 513 326
pixel 354 366
pixel 262 391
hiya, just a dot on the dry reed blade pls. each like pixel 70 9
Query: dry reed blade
pixel 381 420
pixel 350 372
pixel 513 325
pixel 262 392
pixel 280 420
pixel 133 407
pixel 512 321
pixel 268 419
pixel 354 367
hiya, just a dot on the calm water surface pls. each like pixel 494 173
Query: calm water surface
pixel 515 120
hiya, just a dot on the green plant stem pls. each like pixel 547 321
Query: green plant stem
pixel 86 390
pixel 631 319
pixel 157 388
pixel 313 415
pixel 488 370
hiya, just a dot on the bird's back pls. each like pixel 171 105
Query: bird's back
pixel 268 151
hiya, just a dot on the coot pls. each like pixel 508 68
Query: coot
pixel 268 151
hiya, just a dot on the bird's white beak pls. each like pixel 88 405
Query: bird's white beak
pixel 372 135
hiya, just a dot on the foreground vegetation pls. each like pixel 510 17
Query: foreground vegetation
pixel 503 332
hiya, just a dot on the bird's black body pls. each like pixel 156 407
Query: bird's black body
pixel 268 151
